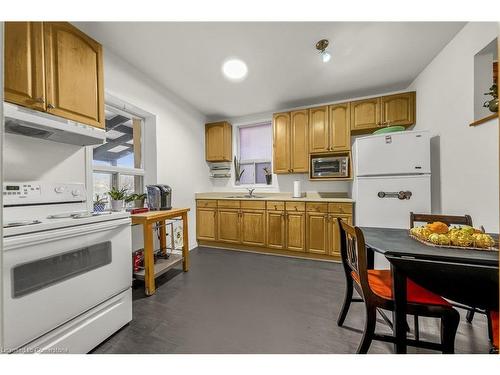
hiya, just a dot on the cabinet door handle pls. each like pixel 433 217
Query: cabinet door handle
pixel 50 106
pixel 40 100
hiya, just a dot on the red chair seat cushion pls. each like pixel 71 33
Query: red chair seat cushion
pixel 381 284
pixel 494 327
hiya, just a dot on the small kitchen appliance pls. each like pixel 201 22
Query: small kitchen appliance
pixel 159 197
pixel 66 280
pixel 329 166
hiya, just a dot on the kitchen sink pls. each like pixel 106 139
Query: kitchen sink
pixel 244 196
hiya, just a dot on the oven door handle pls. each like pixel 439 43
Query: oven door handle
pixel 14 242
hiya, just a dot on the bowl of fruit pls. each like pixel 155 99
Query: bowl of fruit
pixel 463 237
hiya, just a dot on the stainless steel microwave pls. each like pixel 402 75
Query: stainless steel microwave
pixel 330 166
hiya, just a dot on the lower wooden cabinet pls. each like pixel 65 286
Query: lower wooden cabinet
pixel 206 224
pixel 317 232
pixel 228 225
pixel 286 227
pixel 295 231
pixel 253 227
pixel 275 230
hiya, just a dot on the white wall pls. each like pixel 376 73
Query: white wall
pixel 281 183
pixel 177 144
pixel 464 159
pixel 180 135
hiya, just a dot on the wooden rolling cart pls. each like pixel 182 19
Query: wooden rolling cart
pixel 152 270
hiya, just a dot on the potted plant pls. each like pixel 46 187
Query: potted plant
pixel 99 203
pixel 138 199
pixel 492 104
pixel 269 176
pixel 117 198
pixel 237 171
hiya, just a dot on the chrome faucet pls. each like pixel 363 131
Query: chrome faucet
pixel 250 192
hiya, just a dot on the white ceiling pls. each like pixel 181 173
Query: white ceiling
pixel 284 68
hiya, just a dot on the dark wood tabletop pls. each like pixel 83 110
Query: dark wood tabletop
pixel 397 242
pixel 469 277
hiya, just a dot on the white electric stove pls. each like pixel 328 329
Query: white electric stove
pixel 67 271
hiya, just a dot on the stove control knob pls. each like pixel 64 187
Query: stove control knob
pixel 59 189
pixel 75 192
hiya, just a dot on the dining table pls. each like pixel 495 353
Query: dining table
pixel 465 276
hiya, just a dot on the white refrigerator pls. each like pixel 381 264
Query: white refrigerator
pixel 392 178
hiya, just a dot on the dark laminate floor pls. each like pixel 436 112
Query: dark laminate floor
pixel 236 302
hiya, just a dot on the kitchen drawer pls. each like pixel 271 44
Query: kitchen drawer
pixel 207 203
pixel 275 206
pixel 295 206
pixel 253 205
pixel 340 208
pixel 316 207
pixel 228 203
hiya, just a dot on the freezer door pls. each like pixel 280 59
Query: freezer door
pixel 374 209
pixel 397 153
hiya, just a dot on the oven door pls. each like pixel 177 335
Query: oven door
pixel 328 167
pixel 52 277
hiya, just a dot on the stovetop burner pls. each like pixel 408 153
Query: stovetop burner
pixel 21 223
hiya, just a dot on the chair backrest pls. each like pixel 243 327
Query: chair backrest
pixel 447 219
pixel 353 254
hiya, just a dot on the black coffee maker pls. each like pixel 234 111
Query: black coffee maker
pixel 159 197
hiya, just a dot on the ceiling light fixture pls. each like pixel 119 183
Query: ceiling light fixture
pixel 234 69
pixel 321 46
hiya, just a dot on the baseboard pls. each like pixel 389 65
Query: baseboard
pixel 268 251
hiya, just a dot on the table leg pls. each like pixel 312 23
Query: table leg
pixel 163 237
pixel 399 292
pixel 149 264
pixel 185 243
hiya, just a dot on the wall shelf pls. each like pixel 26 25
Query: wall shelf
pixel 484 119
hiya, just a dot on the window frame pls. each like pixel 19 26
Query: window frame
pixel 253 161
pixel 115 171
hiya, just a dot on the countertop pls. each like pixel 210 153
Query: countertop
pixel 309 196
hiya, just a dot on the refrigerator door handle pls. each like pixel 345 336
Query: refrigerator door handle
pixel 400 195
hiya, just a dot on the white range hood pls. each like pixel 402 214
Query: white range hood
pixel 23 121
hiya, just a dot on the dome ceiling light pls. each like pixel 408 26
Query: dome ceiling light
pixel 234 69
pixel 321 46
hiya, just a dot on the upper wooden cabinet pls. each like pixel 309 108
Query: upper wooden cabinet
pixel 370 114
pixel 218 141
pixel 290 142
pixel 319 129
pixel 74 74
pixel 365 114
pixel 398 109
pixel 340 127
pixel 329 128
pixel 281 143
pixel 54 67
pixel 24 80
pixel 299 141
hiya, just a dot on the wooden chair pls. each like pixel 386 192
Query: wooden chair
pixel 375 288
pixel 450 220
pixel 447 219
